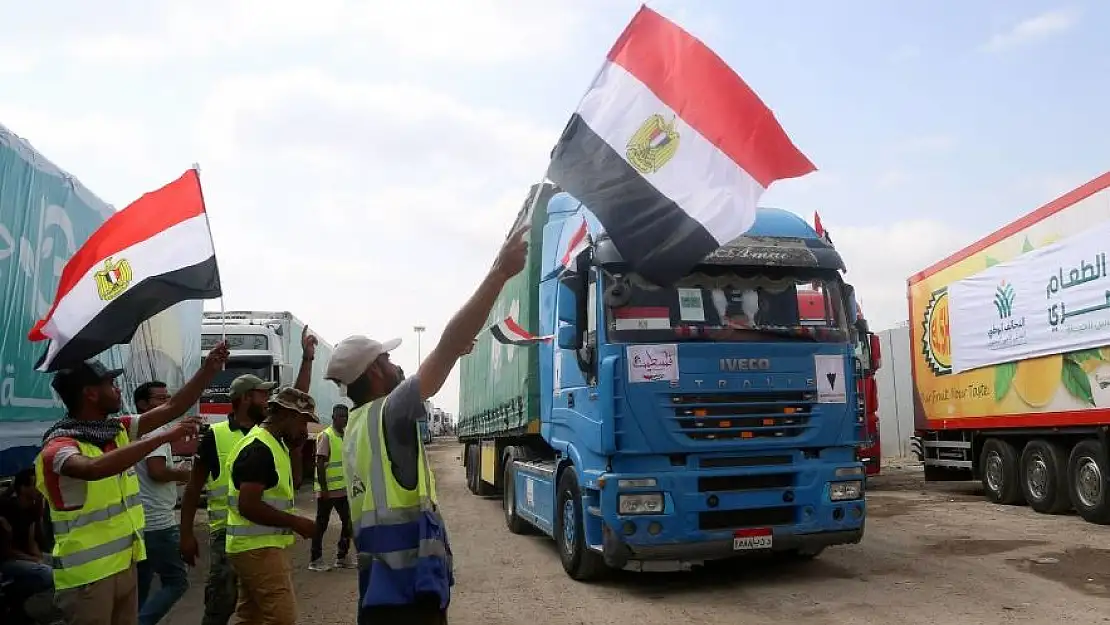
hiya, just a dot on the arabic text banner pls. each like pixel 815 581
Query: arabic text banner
pixel 1051 300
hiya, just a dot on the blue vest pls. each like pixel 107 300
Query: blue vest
pixel 403 551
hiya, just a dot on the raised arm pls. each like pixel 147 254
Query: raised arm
pixel 120 459
pixel 308 354
pixel 458 336
pixel 188 395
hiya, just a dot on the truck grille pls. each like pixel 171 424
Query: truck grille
pixel 753 517
pixel 729 416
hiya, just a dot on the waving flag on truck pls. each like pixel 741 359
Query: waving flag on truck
pixel 147 257
pixel 670 149
pixel 509 332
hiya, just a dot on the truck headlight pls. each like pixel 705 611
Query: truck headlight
pixel 640 503
pixel 845 491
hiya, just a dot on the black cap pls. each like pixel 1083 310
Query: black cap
pixel 89 373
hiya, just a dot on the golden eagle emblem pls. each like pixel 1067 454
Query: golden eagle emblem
pixel 113 279
pixel 653 145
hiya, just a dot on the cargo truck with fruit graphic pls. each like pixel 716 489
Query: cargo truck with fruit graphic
pixel 1011 359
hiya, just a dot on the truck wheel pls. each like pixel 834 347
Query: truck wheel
pixel 579 561
pixel 513 521
pixel 1044 477
pixel 999 465
pixel 1087 476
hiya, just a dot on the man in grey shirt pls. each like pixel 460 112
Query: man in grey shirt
pixel 363 366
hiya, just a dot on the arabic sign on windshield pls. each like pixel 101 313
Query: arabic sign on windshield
pixel 1048 301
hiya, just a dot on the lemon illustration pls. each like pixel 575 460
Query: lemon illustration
pixel 1037 379
pixel 1104 353
pixel 1090 365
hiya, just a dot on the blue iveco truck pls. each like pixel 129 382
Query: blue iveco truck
pixel 666 427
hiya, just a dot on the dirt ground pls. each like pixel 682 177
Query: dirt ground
pixel 939 555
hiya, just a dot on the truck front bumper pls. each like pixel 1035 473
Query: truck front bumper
pixel 618 553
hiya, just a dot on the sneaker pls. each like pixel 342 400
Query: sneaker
pixel 317 565
pixel 345 562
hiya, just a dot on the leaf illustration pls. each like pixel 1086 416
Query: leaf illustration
pixel 1026 246
pixel 1076 381
pixel 1084 355
pixel 991 262
pixel 1003 378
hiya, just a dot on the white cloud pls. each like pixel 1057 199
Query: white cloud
pixel 927 143
pixel 881 258
pixel 363 207
pixel 1034 29
pixel 905 52
pixel 892 178
pixel 473 32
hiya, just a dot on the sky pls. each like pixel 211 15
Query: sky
pixel 361 161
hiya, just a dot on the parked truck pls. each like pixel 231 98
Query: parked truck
pixel 667 427
pixel 268 345
pixel 45 216
pixel 1011 358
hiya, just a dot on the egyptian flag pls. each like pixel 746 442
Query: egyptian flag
pixel 147 257
pixel 509 332
pixel 578 243
pixel 671 150
pixel 819 228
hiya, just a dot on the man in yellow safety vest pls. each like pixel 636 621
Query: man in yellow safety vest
pixel 86 474
pixel 248 395
pixel 262 515
pixel 405 568
pixel 331 492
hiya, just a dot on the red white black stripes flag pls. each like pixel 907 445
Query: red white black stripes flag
pixel 509 332
pixel 671 150
pixel 147 257
pixel 578 243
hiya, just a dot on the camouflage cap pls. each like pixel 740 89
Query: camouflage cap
pixel 246 383
pixel 295 400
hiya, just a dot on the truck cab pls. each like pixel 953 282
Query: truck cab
pixel 694 422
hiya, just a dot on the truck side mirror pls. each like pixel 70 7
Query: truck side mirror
pixel 567 308
pixel 568 337
pixel 862 326
pixel 876 352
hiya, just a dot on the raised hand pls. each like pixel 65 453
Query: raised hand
pixel 514 253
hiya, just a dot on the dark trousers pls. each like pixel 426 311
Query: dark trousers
pixel 407 614
pixel 324 506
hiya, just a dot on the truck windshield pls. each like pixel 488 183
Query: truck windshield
pixel 218 389
pixel 735 305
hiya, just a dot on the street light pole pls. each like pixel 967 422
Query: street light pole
pixel 419 356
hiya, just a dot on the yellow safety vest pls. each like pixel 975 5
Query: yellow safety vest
pixel 378 499
pixel 105 535
pixel 334 474
pixel 243 535
pixel 226 437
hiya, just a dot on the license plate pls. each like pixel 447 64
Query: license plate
pixel 751 540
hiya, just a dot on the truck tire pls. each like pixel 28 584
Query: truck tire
pixel 513 521
pixel 999 465
pixel 578 560
pixel 1044 477
pixel 1087 476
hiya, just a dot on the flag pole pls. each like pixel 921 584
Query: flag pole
pixel 208 223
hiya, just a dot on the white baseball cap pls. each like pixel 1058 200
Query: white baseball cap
pixel 353 355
